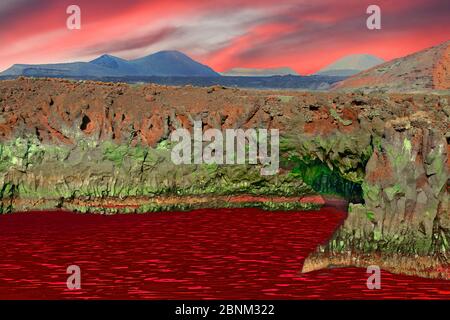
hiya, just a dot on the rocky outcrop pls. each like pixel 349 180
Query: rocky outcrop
pixel 102 147
pixel 404 224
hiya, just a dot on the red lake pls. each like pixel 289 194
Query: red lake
pixel 202 254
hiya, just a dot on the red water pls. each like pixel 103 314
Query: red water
pixel 204 254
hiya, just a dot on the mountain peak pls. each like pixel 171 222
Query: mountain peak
pixel 172 52
pixel 106 56
pixel 108 61
pixel 166 54
pixel 351 64
pixel 165 63
pixel 172 63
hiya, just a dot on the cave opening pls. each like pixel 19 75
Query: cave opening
pixel 324 180
pixel 84 122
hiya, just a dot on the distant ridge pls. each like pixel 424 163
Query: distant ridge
pixel 162 63
pixel 252 72
pixel 117 64
pixel 350 65
pixel 428 69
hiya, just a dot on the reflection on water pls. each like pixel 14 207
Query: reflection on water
pixel 205 254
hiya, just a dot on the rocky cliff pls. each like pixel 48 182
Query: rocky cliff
pixel 102 147
pixel 404 223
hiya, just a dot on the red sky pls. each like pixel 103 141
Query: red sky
pixel 303 34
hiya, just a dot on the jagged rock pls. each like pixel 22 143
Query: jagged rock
pixel 101 143
pixel 406 207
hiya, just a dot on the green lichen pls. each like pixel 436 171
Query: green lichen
pixel 370 191
pixel 345 154
pixel 285 99
pixel 55 173
pixel 337 117
pixel 325 180
pixel 370 215
pixel 391 192
pixel 407 146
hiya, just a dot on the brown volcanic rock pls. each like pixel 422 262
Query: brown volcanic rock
pixel 406 206
pixel 55 109
pixel 428 69
pixel 67 144
pixel 337 128
pixel 441 76
pixel 64 111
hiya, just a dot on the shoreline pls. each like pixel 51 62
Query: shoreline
pixel 142 204
pixel 420 266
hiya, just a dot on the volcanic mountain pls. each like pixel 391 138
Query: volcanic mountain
pixel 423 70
pixel 163 63
pixel 350 65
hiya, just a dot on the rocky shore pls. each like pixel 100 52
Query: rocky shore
pixel 102 147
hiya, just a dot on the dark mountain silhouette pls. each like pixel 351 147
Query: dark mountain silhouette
pixel 166 68
pixel 163 63
pixel 172 63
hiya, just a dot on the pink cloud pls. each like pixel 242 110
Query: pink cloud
pixel 305 35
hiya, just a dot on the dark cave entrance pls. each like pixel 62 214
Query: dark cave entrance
pixel 326 181
pixel 84 122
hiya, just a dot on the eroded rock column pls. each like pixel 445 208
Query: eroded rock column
pixel 404 224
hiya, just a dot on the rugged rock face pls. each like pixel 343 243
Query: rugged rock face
pixel 67 143
pixel 406 214
pixel 102 147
